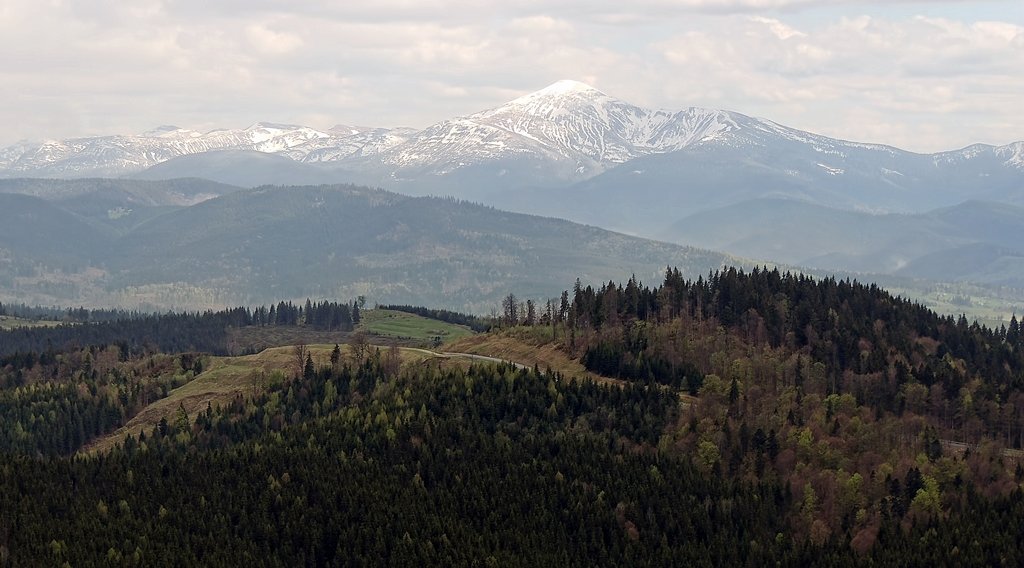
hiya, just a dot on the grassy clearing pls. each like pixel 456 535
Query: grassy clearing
pixel 404 325
pixel 11 322
pixel 256 338
pixel 527 346
pixel 402 328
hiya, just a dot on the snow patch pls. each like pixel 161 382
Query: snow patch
pixel 832 171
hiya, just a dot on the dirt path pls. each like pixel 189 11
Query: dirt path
pixel 448 355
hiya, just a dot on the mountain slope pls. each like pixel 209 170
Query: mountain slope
pixel 569 131
pixel 243 168
pixel 338 241
pixel 35 231
pixel 112 156
pixel 646 195
pixel 116 203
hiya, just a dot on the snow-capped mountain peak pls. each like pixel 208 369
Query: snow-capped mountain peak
pixel 565 91
pixel 566 86
pixel 578 122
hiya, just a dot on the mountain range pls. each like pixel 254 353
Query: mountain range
pixel 567 136
pixel 568 129
pixel 703 177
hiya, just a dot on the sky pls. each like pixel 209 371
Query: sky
pixel 923 76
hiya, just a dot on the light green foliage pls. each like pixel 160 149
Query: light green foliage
pixel 713 386
pixel 330 395
pixel 928 500
pixel 708 453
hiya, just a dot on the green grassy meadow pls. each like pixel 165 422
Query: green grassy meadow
pixel 402 325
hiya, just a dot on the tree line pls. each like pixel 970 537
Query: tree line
pixel 174 332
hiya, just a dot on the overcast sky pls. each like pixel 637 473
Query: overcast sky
pixel 924 76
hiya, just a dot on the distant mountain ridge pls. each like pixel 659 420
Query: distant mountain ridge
pixel 567 121
pixel 565 133
pixel 977 241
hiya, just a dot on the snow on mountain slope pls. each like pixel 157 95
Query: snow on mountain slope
pixel 350 143
pixel 575 119
pixel 1014 154
pixel 119 155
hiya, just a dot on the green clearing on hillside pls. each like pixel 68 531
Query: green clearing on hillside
pixel 402 325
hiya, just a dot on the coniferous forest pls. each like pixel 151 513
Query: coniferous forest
pixel 743 419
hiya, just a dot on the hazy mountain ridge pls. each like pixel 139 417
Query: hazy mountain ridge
pixel 321 242
pixel 244 168
pixel 117 204
pixel 976 240
pixel 181 191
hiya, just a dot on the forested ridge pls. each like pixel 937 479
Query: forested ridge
pixel 866 407
pixel 762 418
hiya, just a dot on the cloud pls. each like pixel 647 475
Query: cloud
pixel 859 77
pixel 268 41
pixel 781 30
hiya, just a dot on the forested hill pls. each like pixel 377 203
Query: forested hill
pixel 757 419
pixel 846 326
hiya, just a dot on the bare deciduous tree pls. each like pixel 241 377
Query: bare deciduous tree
pixel 392 361
pixel 299 354
pixel 359 343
